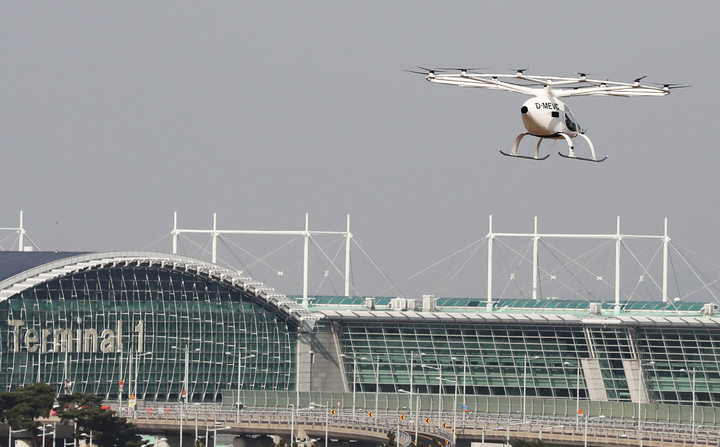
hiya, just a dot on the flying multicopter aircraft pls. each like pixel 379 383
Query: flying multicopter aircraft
pixel 544 115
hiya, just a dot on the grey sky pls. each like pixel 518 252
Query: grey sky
pixel 115 114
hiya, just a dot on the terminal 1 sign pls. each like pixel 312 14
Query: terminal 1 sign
pixel 44 340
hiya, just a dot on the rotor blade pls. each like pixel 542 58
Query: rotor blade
pixel 520 70
pixel 640 78
pixel 432 70
pixel 424 73
pixel 671 85
pixel 464 69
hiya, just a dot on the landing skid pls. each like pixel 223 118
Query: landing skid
pixel 572 157
pixel 525 156
pixel 516 144
pixel 571 149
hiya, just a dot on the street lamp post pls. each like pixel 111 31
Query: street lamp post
pixel 354 380
pixel 84 435
pixel 184 392
pixel 327 421
pixel 465 361
pixel 417 411
pixel 439 370
pixel 526 360
pixel 121 382
pixel 692 416
pixel 602 416
pixel 215 430
pixel 412 358
pixel 10 432
pixel 239 382
pixel 640 393
pixel 327 417
pixel 44 432
pixel 377 381
pixel 577 394
pixel 137 374
pixel 454 410
pixel 292 425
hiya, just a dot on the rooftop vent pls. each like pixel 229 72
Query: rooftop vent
pixel 429 303
pixel 398 303
pixel 595 309
pixel 709 309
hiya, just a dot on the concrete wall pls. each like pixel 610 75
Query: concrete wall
pixel 318 363
pixel 594 380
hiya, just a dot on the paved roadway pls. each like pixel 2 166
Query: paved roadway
pixel 199 419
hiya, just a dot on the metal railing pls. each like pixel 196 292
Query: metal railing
pixel 467 426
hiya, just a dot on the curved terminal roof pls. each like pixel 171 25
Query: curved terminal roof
pixel 522 311
pixel 21 271
pixel 518 318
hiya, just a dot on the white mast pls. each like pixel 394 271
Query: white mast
pixel 490 236
pixel 618 241
pixel 535 261
pixel 348 238
pixel 666 243
pixel 175 234
pixel 214 239
pixel 306 249
pixel 21 240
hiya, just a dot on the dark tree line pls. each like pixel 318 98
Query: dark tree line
pixel 22 408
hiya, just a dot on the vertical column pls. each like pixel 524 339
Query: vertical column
pixel 618 241
pixel 666 243
pixel 490 238
pixel 21 239
pixel 348 238
pixel 305 257
pixel 535 261
pixel 214 239
pixel 174 234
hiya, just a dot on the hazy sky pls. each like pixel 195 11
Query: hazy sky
pixel 113 115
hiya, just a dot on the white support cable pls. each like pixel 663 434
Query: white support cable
pixel 380 270
pixel 458 268
pixel 507 268
pixel 573 260
pixel 331 260
pixel 479 241
pixel 644 269
pixel 694 270
pixel 261 260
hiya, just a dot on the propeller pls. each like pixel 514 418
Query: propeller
pixel 425 72
pixel 429 70
pixel 464 69
pixel 520 70
pixel 671 86
pixel 637 81
pixel 582 75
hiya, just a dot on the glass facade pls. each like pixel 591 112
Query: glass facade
pixel 92 320
pixel 86 328
pixel 492 360
pixel 681 356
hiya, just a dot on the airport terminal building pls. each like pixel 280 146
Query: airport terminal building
pixel 155 324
